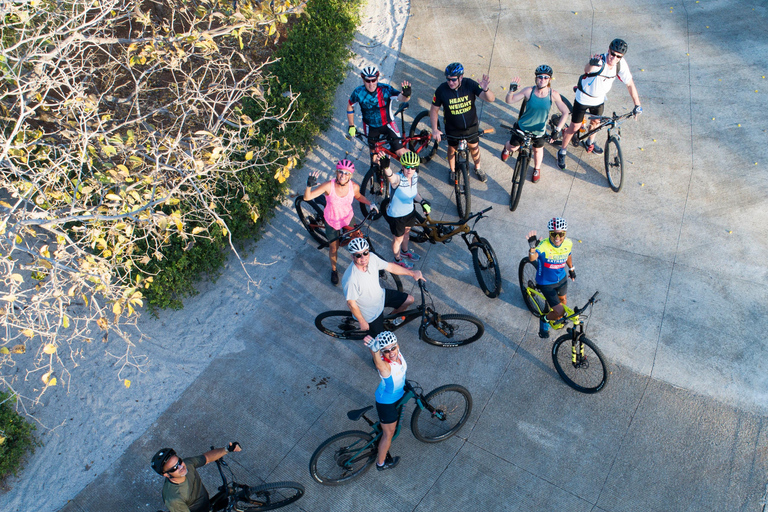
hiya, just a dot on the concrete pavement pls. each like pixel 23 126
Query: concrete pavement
pixel 676 255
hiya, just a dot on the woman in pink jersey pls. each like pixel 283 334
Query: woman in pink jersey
pixel 339 194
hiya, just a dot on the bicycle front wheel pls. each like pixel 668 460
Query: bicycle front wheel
pixel 518 180
pixel 614 164
pixel 452 330
pixel 421 130
pixel 452 405
pixel 311 217
pixel 269 496
pixel 376 191
pixel 534 300
pixel 342 458
pixel 461 188
pixel 339 324
pixel 487 268
pixel 579 363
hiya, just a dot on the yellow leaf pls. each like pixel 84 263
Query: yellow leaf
pixel 65 321
pixel 122 168
pixel 117 308
pixel 113 197
pixel 198 229
pixel 127 383
pixel 19 349
pixel 19 240
pixel 249 155
pixel 109 150
pixel 29 333
pixel 17 278
pixel 103 323
pixel 3 203
pixel 272 29
pixel 4 351
pixel 48 380
pixel 49 349
pixel 2 440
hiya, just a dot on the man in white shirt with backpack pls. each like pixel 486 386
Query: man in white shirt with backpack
pixel 594 84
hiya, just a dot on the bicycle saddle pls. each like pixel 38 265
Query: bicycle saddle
pixel 402 107
pixel 358 413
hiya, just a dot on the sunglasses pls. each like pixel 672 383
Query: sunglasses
pixel 410 167
pixel 359 255
pixel 345 173
pixel 371 81
pixel 542 77
pixel 618 56
pixel 176 466
pixel 388 350
pixel 557 234
pixel 452 79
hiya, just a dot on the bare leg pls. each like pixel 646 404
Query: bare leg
pixel 397 243
pixel 333 250
pixel 387 432
pixel 405 305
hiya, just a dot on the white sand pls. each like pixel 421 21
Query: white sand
pixel 97 417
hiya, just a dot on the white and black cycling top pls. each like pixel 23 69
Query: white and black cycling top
pixel 593 87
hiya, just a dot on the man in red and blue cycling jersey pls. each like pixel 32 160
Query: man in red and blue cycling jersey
pixel 374 99
pixel 553 255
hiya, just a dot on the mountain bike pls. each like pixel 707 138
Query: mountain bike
pixel 612 156
pixel 439 415
pixel 521 165
pixel 487 268
pixel 448 330
pixel 419 140
pixel 311 217
pixel 461 188
pixel 233 496
pixel 582 367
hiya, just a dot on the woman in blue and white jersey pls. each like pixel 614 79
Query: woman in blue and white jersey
pixel 391 366
pixel 401 214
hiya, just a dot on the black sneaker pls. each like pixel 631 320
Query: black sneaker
pixel 389 463
pixel 334 278
pixel 453 177
pixel 543 334
pixel 561 159
pixel 481 175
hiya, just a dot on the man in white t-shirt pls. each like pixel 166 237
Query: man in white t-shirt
pixel 594 84
pixel 366 298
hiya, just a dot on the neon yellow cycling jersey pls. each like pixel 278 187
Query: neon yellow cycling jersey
pixel 552 261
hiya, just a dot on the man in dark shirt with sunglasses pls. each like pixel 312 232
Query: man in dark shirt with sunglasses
pixel 183 490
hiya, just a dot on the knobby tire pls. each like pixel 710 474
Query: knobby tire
pixel 270 496
pixel 487 269
pixel 526 274
pixel 589 375
pixel 459 330
pixel 311 217
pixel 422 126
pixel 453 405
pixel 614 164
pixel 331 464
pixel 518 180
pixel 461 189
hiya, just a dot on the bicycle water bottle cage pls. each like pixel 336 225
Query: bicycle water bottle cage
pixel 462 145
pixel 358 413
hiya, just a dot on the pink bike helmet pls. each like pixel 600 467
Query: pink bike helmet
pixel 345 165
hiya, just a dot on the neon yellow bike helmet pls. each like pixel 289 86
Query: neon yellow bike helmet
pixel 410 159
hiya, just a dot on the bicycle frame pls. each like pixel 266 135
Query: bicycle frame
pixel 432 228
pixel 612 123
pixel 525 147
pixel 571 315
pixel 382 145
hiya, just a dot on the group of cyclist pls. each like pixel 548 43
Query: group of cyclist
pixel 366 299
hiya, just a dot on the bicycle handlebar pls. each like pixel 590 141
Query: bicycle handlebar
pixel 356 227
pixel 462 137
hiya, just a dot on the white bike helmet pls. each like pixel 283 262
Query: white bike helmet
pixel 358 244
pixel 383 340
pixel 557 224
pixel 370 72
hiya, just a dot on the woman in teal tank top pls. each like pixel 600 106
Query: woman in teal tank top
pixel 540 98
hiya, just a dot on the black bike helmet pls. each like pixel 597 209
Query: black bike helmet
pixel 543 70
pixel 454 69
pixel 619 46
pixel 160 458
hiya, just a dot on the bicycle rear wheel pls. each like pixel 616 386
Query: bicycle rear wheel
pixel 579 363
pixel 375 190
pixel 518 180
pixel 418 233
pixel 614 164
pixel 451 330
pixel 424 146
pixel 339 324
pixel 534 300
pixel 461 188
pixel 269 496
pixel 342 458
pixel 311 217
pixel 487 268
pixel 452 404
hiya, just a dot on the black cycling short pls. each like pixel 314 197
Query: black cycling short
pixel 392 299
pixel 577 115
pixel 397 225
pixel 470 134
pixel 517 140
pixel 387 412
pixel 552 292
pixel 388 132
